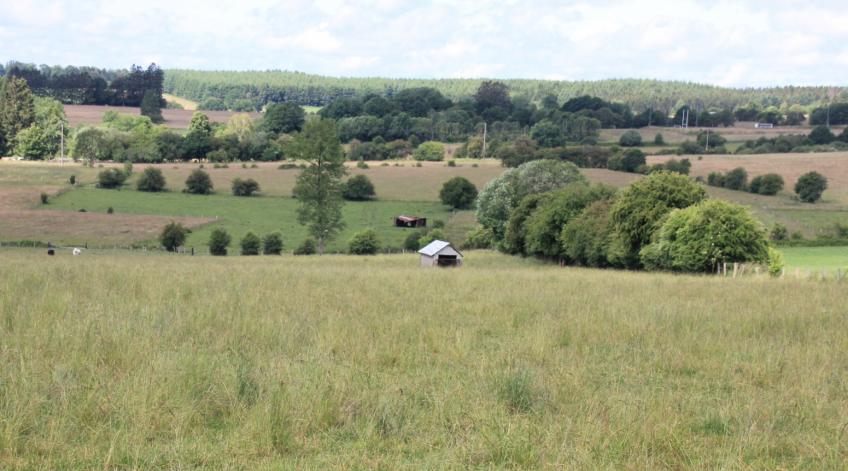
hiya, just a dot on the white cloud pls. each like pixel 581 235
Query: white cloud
pixel 740 43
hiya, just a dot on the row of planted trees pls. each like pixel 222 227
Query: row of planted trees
pixel 547 209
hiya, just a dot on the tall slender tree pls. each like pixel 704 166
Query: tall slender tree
pixel 17 109
pixel 319 186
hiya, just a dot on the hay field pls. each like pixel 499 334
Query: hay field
pixel 740 132
pixel 338 362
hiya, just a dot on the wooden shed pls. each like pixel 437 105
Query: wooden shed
pixel 410 221
pixel 440 254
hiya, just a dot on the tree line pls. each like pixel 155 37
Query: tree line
pixel 256 88
pixel 90 85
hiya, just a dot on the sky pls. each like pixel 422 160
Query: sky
pixel 730 43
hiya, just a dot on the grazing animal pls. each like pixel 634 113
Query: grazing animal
pixel 77 251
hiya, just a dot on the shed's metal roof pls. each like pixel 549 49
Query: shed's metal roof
pixel 434 247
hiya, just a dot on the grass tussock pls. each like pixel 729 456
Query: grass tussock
pixel 157 362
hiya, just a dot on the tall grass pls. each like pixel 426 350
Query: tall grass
pixel 123 362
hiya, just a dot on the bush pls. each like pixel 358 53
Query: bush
pixel 250 244
pixel 478 238
pixel 245 187
pixel 736 179
pixel 364 243
pixel 358 188
pixel 659 140
pixel 151 179
pixel 768 184
pixel 307 247
pixel 821 135
pixel 173 236
pixel 430 236
pixel 272 244
pixel 412 241
pixel 776 262
pixel 629 162
pixel 715 179
pixel 430 150
pixel 45 198
pixel 72 179
pixel 641 207
pixel 779 232
pixel 219 240
pixel 198 183
pixel 111 178
pixel 110 210
pixel 810 187
pixel 630 139
pixel 701 237
pixel 458 193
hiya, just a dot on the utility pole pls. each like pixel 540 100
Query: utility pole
pixel 707 146
pixel 62 145
pixel 483 154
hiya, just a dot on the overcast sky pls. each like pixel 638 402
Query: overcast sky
pixel 735 43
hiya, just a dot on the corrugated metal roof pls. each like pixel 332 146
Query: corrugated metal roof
pixel 433 248
pixel 408 218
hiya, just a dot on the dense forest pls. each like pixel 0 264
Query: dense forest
pixel 251 90
pixel 90 85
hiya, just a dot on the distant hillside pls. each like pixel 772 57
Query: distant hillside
pixel 256 88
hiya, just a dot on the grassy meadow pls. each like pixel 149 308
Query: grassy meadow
pixel 263 215
pixel 816 258
pixel 168 362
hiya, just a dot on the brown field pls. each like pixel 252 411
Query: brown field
pixel 176 119
pixel 741 132
pixel 833 165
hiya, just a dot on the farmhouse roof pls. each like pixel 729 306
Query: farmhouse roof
pixel 408 218
pixel 435 247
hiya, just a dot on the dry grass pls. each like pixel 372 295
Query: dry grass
pixel 833 165
pixel 741 132
pixel 184 102
pixel 158 362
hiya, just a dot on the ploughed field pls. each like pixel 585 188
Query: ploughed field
pixel 177 119
pixel 155 361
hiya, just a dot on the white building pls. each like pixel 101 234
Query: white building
pixel 440 254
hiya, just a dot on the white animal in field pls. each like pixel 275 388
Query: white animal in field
pixel 77 251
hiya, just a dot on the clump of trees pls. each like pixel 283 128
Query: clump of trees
pixel 272 244
pixel 810 187
pixel 111 178
pixel 198 183
pixel 173 236
pixel 151 179
pixel 458 193
pixel 702 236
pixel 737 179
pixel 501 195
pixel 219 241
pixel 663 222
pixel 364 243
pixel 251 244
pixel 246 187
pixel 358 188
